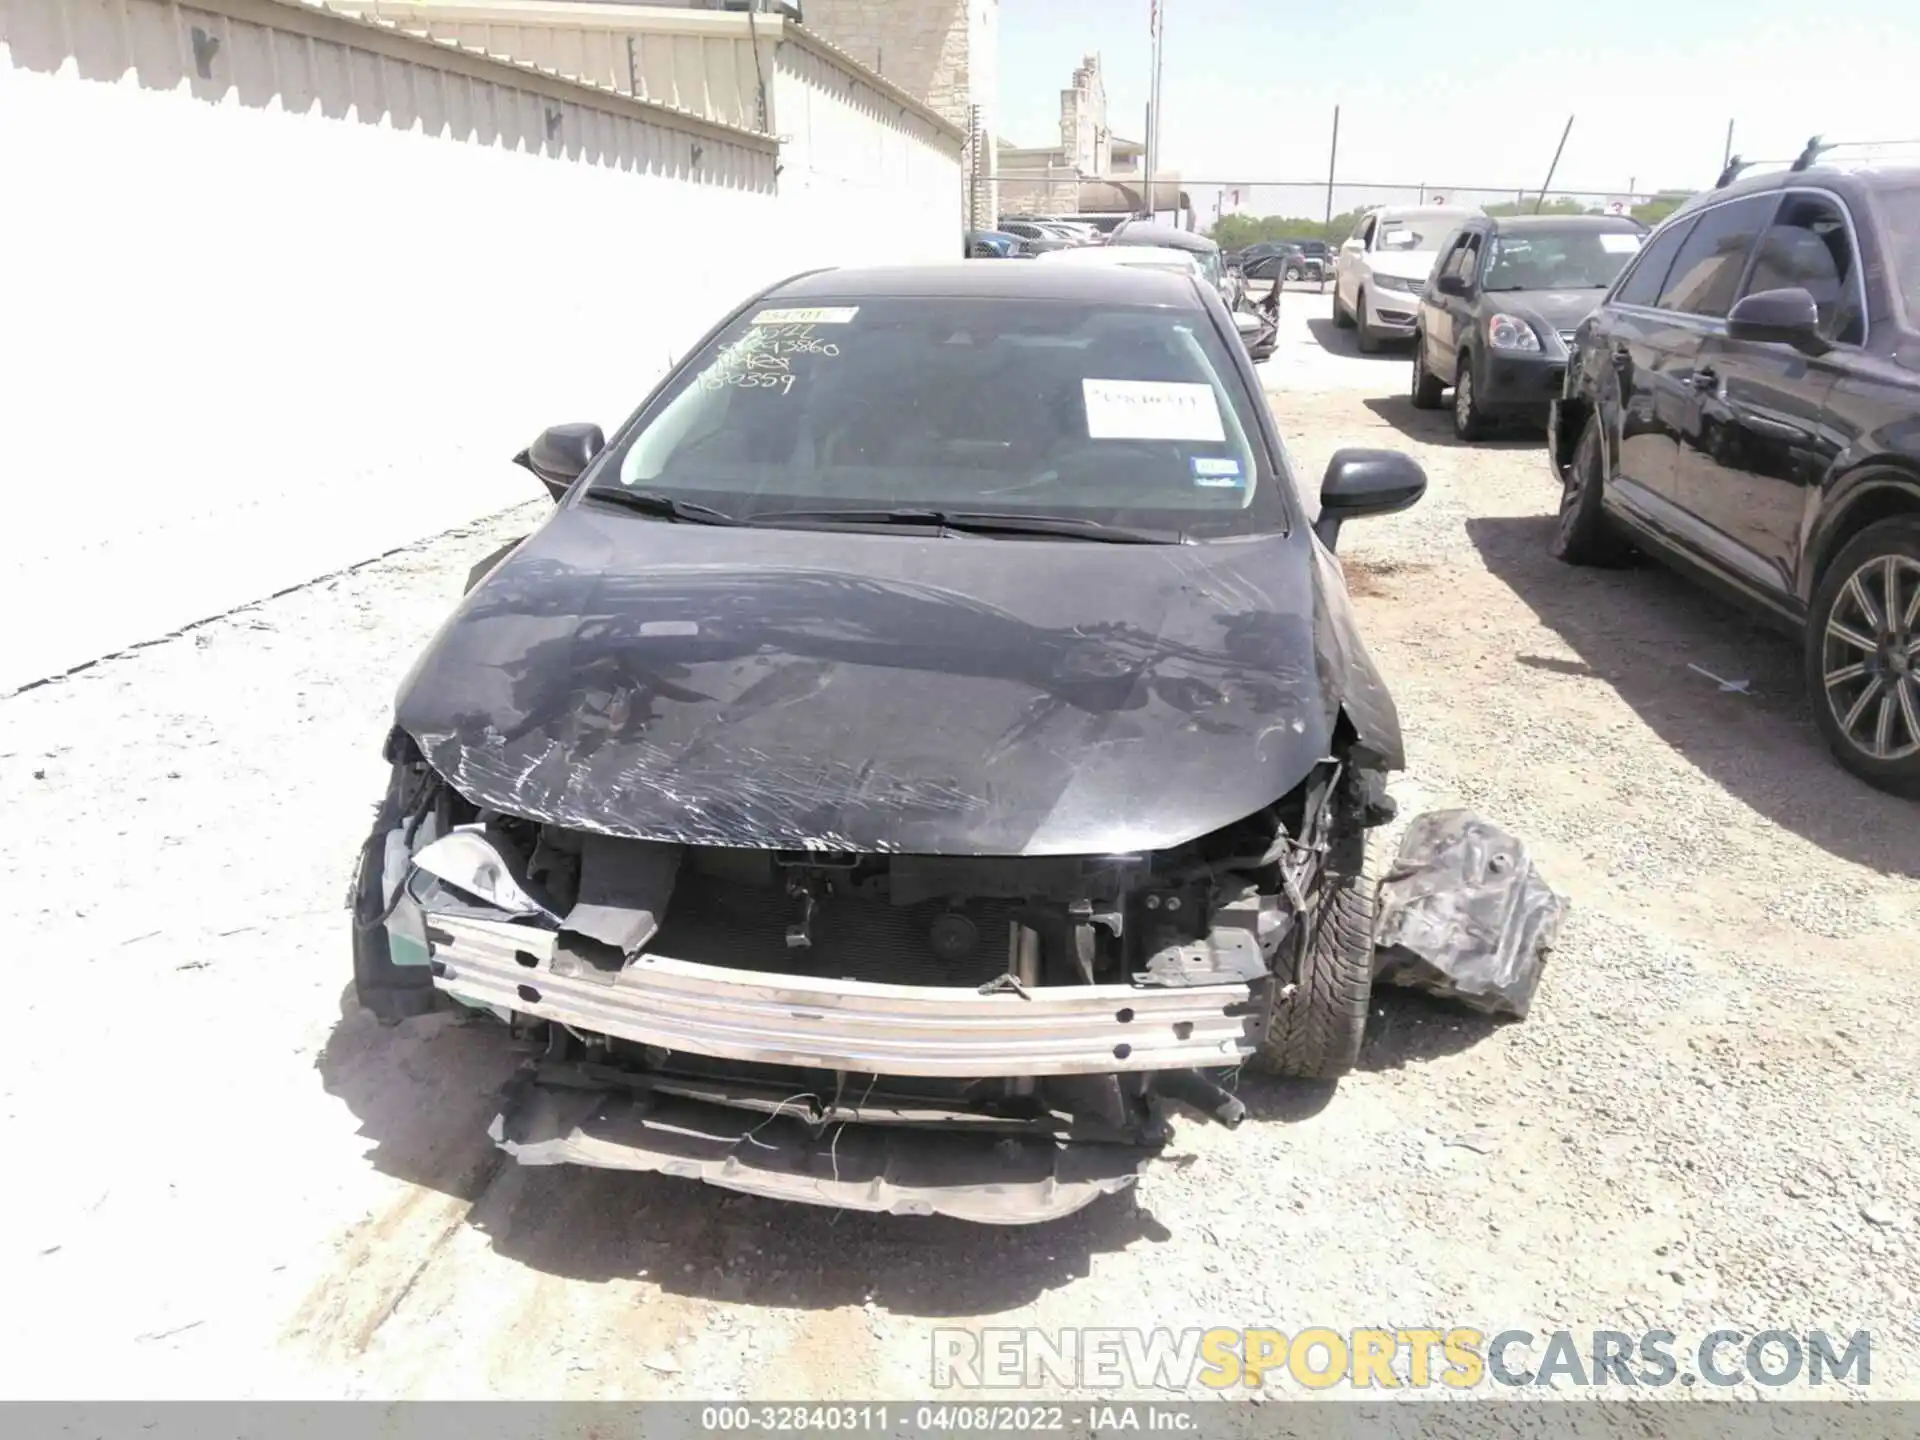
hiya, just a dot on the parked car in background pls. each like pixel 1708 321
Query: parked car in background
pixel 935 701
pixel 998 245
pixel 1271 260
pixel 1258 330
pixel 1204 249
pixel 1501 305
pixel 1316 252
pixel 1382 267
pixel 1745 405
pixel 1038 235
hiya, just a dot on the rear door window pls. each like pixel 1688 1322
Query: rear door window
pixel 1808 247
pixel 1706 274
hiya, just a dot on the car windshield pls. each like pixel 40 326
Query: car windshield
pixel 1209 263
pixel 1122 414
pixel 1559 259
pixel 1410 234
pixel 1899 207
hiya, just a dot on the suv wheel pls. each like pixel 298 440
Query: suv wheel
pixel 1367 337
pixel 1315 1033
pixel 1293 272
pixel 1584 535
pixel 1469 421
pixel 1863 655
pixel 1427 387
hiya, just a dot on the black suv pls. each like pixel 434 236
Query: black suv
pixel 1745 403
pixel 1506 294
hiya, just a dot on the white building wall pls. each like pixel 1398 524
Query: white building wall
pixel 285 291
pixel 861 176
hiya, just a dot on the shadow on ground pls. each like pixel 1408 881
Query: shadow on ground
pixel 424 1092
pixel 1411 1028
pixel 1435 427
pixel 1335 341
pixel 1638 629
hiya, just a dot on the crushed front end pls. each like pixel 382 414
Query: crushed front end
pixel 997 1039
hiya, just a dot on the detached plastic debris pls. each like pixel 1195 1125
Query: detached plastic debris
pixel 1464 915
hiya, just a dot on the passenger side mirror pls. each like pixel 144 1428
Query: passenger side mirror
pixel 560 454
pixel 1452 285
pixel 1781 317
pixel 1360 483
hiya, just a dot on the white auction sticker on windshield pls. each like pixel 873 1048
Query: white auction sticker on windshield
pixel 1151 410
pixel 1619 244
pixel 832 315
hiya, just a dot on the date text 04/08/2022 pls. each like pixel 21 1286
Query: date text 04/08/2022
pixel 944 1419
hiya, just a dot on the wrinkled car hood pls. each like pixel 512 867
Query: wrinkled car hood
pixel 817 689
pixel 1558 310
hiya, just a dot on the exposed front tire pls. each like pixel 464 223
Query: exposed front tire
pixel 1365 336
pixel 1427 388
pixel 1863 655
pixel 1584 535
pixel 391 992
pixel 1315 1033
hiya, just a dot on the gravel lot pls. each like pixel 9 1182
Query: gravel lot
pixel 233 1183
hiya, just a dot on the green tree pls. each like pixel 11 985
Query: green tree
pixel 1661 206
pixel 1560 206
pixel 1236 232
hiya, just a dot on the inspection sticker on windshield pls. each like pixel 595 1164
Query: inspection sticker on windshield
pixel 1216 472
pixel 1151 410
pixel 830 315
pixel 1619 244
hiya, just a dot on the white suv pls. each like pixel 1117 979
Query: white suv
pixel 1383 265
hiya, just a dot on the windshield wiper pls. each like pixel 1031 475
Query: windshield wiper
pixel 652 502
pixel 975 522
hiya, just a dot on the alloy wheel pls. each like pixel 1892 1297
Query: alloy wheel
pixel 1463 401
pixel 1871 658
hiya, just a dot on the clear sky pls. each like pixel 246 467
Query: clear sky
pixel 1474 92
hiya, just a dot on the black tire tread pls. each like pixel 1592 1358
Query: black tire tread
pixel 1594 541
pixel 1427 389
pixel 1316 1033
pixel 390 992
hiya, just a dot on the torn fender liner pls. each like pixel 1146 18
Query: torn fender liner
pixel 1464 915
pixel 989 1180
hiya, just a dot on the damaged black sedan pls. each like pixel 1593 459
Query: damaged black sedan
pixel 925 744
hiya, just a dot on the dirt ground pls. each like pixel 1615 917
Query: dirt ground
pixel 232 1183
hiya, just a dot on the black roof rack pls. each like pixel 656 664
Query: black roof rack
pixel 1731 173
pixel 1816 147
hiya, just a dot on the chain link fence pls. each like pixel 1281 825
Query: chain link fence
pixel 1240 213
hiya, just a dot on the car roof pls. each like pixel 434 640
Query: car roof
pixel 1407 212
pixel 1164 236
pixel 998 280
pixel 1137 256
pixel 1838 173
pixel 1564 222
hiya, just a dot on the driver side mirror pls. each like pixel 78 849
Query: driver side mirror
pixel 1452 285
pixel 1781 317
pixel 1360 483
pixel 560 454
